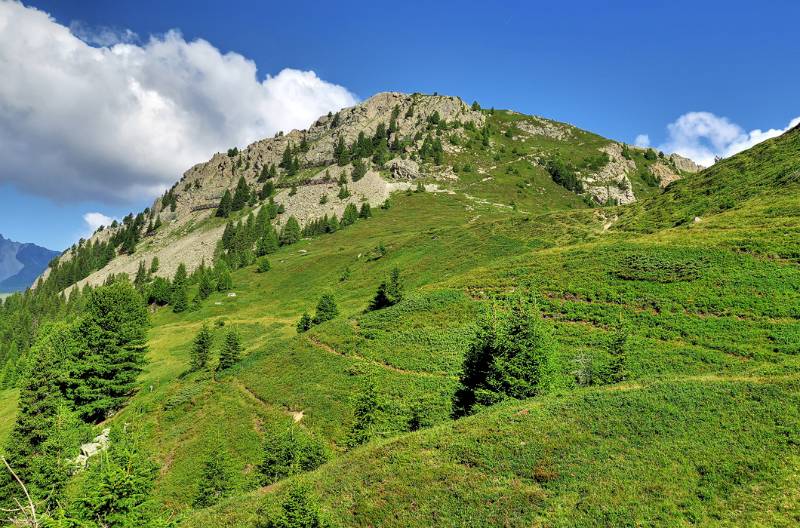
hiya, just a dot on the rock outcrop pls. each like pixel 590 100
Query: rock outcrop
pixel 611 184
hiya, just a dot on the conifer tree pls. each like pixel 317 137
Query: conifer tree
pixel 298 510
pixel 205 284
pixel 304 323
pixel 290 232
pixel 340 153
pixel 154 265
pixel 215 479
pixel 201 348
pixel 223 273
pixel 241 196
pixel 389 292
pixel 616 370
pixel 350 215
pixel 288 452
pixel 141 276
pixel 365 211
pixel 225 205
pixel 326 309
pixel 507 359
pixel 263 265
pixel 104 373
pixel 231 350
pixel 365 408
pixel 35 448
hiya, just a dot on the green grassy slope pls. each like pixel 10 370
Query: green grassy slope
pixel 704 431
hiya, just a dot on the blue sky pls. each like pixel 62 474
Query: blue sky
pixel 621 71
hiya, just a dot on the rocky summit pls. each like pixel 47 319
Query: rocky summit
pixel 472 150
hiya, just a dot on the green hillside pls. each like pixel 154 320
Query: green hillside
pixel 703 430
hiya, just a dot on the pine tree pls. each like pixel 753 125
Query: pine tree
pixel 205 283
pixel 340 153
pixel 160 292
pixel 290 233
pixel 298 510
pixel 359 170
pixel 507 359
pixel 304 323
pixel 288 452
pixel 115 329
pixel 201 348
pixel 180 290
pixel 326 309
pixel 350 215
pixel 365 211
pixel 223 273
pixel 215 479
pixel 389 292
pixel 116 492
pixel 616 371
pixel 141 276
pixel 35 448
pixel 225 205
pixel 241 196
pixel 263 265
pixel 365 407
pixel 154 265
pixel 231 350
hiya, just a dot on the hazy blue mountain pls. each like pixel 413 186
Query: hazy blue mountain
pixel 21 263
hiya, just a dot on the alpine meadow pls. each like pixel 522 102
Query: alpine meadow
pixel 419 311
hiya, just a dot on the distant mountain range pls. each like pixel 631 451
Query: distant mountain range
pixel 21 263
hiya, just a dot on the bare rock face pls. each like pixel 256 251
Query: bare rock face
pixel 544 127
pixel 611 183
pixel 664 174
pixel 196 195
pixel 685 164
pixel 403 169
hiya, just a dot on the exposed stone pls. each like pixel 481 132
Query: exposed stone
pixel 611 183
pixel 685 164
pixel 403 169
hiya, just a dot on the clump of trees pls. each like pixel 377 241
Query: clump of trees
pixel 81 372
pixel 288 451
pixel 508 358
pixel 326 310
pixel 390 292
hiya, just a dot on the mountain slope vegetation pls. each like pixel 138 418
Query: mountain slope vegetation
pixel 668 392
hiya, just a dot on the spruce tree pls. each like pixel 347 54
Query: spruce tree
pixel 350 215
pixel 223 273
pixel 225 205
pixel 205 283
pixel 507 359
pixel 241 196
pixel 304 323
pixel 154 265
pixel 231 350
pixel 290 233
pixel 115 330
pixel 215 480
pixel 201 348
pixel 365 211
pixel 326 309
pixel 263 265
pixel 389 292
pixel 298 510
pixel 35 448
pixel 616 370
pixel 365 408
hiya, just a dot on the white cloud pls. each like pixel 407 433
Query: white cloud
pixel 95 220
pixel 642 140
pixel 123 121
pixel 701 136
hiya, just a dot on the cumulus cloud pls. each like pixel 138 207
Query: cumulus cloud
pixel 642 140
pixel 118 120
pixel 701 136
pixel 95 220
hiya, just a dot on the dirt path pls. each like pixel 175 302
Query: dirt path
pixel 297 416
pixel 329 349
